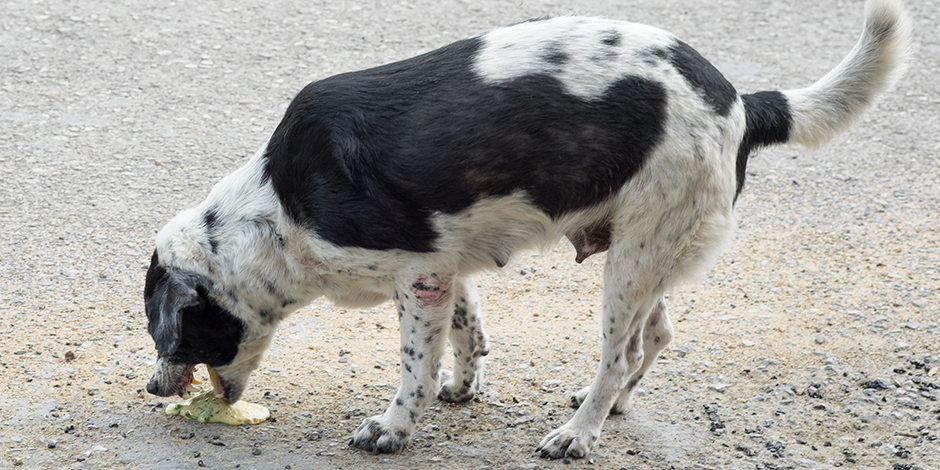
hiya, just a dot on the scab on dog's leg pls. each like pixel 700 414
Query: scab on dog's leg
pixel 656 334
pixel 425 306
pixel 469 342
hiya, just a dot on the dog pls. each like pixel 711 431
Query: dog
pixel 401 181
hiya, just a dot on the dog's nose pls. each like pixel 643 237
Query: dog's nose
pixel 152 387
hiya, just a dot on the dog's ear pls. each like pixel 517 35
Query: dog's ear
pixel 166 294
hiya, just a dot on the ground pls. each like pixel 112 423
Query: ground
pixel 813 343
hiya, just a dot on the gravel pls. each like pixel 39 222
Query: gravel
pixel 811 344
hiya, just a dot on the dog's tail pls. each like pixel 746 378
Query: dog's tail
pixel 814 115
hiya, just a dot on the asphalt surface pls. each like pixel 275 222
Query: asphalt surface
pixel 115 116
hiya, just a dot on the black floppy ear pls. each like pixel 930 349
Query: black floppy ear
pixel 166 294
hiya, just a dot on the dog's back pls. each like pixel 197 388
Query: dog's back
pixel 563 111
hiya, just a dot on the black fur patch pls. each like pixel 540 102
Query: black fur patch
pixel 211 221
pixel 155 272
pixel 702 76
pixel 768 120
pixel 365 158
pixel 612 38
pixel 555 54
pixel 211 335
pixel 653 56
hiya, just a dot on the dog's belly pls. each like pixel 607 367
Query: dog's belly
pixel 359 299
pixel 358 292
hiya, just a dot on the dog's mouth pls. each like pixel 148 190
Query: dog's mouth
pixel 185 380
pixel 177 379
pixel 219 386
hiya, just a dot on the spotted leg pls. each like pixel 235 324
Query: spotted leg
pixel 469 342
pixel 629 298
pixel 657 333
pixel 425 307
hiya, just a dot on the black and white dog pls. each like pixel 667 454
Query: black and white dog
pixel 402 181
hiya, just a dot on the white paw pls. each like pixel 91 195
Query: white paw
pixel 454 392
pixel 376 435
pixel 567 442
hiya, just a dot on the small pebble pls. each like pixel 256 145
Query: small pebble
pixel 719 387
pixel 877 384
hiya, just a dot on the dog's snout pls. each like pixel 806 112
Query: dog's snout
pixel 161 385
pixel 154 388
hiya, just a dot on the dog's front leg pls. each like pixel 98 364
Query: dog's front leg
pixel 425 307
pixel 469 342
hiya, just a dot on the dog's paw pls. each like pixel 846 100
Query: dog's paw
pixel 454 392
pixel 567 442
pixel 377 436
pixel 578 398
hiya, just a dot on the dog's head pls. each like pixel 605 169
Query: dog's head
pixel 196 315
pixel 220 281
pixel 189 327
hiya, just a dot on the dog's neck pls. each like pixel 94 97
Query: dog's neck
pixel 241 240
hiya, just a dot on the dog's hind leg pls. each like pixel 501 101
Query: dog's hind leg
pixel 634 283
pixel 469 342
pixel 425 302
pixel 656 334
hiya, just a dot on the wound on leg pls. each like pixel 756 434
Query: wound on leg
pixel 430 292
